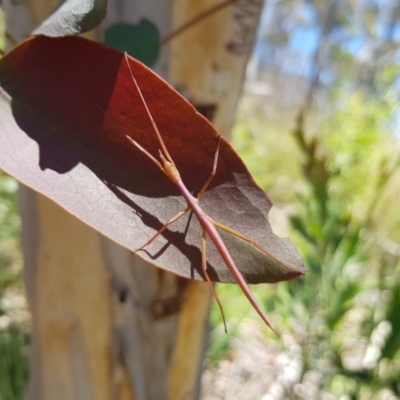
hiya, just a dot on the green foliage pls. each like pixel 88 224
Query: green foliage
pixel 361 142
pixel 13 364
pixel 13 360
pixel 10 258
pixel 347 173
pixel 344 311
pixel 141 41
pixel 2 31
pixel 346 178
pixel 236 310
pixel 269 152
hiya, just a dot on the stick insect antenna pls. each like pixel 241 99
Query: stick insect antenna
pixel 160 139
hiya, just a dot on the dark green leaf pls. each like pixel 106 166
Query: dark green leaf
pixel 141 41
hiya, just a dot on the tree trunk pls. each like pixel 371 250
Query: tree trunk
pixel 105 324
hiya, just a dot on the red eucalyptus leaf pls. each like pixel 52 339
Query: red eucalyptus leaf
pixel 66 107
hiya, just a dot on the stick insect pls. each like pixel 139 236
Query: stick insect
pixel 168 167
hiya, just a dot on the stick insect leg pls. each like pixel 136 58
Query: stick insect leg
pixel 171 221
pixel 246 239
pixel 205 186
pixel 144 151
pixel 204 266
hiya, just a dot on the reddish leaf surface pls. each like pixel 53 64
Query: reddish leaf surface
pixel 66 107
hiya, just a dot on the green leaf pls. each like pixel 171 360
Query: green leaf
pixel 141 41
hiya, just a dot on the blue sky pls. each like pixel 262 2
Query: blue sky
pixel 302 27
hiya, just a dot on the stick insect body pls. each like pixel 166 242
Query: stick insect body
pixel 167 166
